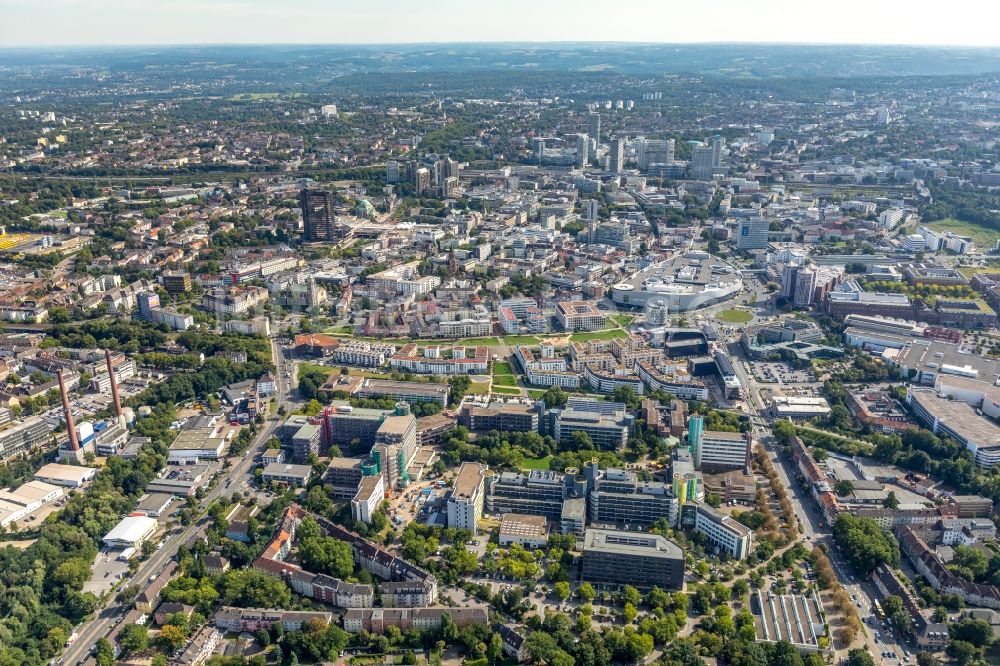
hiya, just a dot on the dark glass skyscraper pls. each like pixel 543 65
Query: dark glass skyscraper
pixel 317 215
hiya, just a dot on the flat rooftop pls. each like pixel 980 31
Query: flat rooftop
pixel 927 354
pixel 520 525
pixel 631 543
pixel 65 472
pixel 345 463
pixel 367 487
pixel 397 425
pixel 960 417
pixel 196 440
pixel 723 434
pixel 578 308
pixel 343 410
pixel 412 388
pixel 467 481
pixel 287 469
pixel 154 501
pixel 688 270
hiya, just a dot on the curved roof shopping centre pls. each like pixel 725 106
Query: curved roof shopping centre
pixel 683 282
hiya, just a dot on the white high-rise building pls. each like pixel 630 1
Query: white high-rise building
pixel 888 219
pixel 805 287
pixel 465 504
pixel 582 150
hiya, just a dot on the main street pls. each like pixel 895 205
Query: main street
pixel 863 594
pixel 229 481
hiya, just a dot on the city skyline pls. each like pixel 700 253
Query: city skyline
pixel 116 22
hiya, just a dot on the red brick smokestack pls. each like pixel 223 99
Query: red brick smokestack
pixel 74 443
pixel 114 384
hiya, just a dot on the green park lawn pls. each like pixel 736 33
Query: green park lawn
pixel 506 390
pixel 502 368
pixel 520 340
pixel 325 369
pixel 536 463
pixel 610 334
pixel 734 316
pixel 504 380
pixel 623 320
pixel 478 388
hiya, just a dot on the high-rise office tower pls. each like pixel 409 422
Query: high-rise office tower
pixel 617 160
pixel 716 151
pixel 752 234
pixel 700 166
pixel 392 171
pixel 696 428
pixel 594 126
pixel 655 151
pixel 421 180
pixel 317 215
pixel 805 287
pixel 788 279
pixel 582 150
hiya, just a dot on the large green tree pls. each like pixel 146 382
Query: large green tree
pixel 864 543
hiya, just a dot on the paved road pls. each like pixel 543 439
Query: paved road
pixel 806 509
pixel 237 475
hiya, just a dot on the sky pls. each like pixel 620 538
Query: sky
pixel 116 22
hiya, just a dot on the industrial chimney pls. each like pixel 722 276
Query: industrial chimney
pixel 114 389
pixel 74 443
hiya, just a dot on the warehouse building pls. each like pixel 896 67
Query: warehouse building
pixel 203 441
pixel 70 476
pixel 130 532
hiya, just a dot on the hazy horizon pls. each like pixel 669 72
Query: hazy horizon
pixel 549 43
pixel 121 23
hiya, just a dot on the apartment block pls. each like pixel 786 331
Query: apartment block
pixel 465 503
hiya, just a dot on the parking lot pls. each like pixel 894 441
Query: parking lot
pixel 107 571
pixel 779 372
